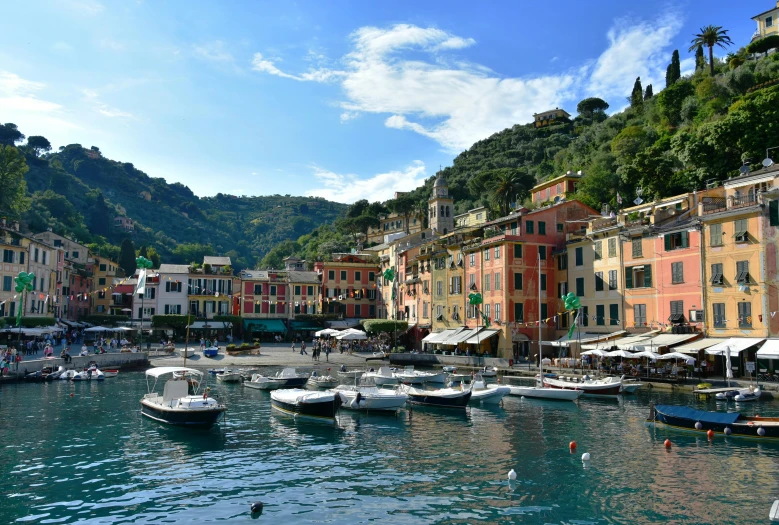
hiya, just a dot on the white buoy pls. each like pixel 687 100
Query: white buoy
pixel 586 456
pixel 727 431
pixel 698 425
pixel 512 475
pixel 761 432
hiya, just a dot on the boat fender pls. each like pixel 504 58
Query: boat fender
pixel 710 434
pixel 257 507
pixel 698 425
pixel 358 397
pixel 761 432
pixel 585 457
pixel 512 475
pixel 727 431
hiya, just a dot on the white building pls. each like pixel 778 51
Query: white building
pixel 172 293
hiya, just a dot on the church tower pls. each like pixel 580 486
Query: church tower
pixel 441 207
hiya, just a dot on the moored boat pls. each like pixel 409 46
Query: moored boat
pixel 110 373
pixel 741 395
pixel 305 403
pixel 384 376
pixel 589 387
pixel 323 382
pixel 409 376
pixel 261 382
pixel 67 375
pixel 486 394
pixel 489 371
pixel 291 379
pixel 729 423
pixel 229 376
pixel 370 398
pixel 176 406
pixel 550 394
pixel 442 397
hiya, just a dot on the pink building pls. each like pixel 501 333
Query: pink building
pixel 679 284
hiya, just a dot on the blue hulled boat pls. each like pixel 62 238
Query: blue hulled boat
pixel 727 423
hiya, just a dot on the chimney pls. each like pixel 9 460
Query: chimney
pixel 15 226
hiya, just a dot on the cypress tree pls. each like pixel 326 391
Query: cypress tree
pixel 700 59
pixel 637 95
pixel 127 257
pixel 676 67
pixel 648 93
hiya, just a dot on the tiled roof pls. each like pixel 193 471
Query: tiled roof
pixel 216 261
pixel 302 277
pixel 174 268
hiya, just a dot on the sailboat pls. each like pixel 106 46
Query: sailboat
pixel 540 391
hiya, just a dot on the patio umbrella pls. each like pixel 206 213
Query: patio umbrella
pixel 352 336
pixel 597 352
pixel 674 355
pixel 621 353
pixel 97 329
pixel 728 371
pixel 327 331
pixel 648 354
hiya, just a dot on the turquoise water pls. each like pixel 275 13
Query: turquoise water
pixel 91 458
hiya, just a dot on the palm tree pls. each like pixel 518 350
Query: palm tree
pixel 709 37
pixel 503 190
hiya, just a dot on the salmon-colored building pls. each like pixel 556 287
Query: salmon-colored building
pixel 349 285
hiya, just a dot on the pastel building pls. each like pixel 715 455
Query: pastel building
pixel 556 189
pixel 767 22
pixel 264 302
pixel 349 285
pixel 173 292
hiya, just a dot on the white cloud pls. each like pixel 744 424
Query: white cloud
pixel 93 99
pixel 457 103
pixel 213 51
pixel 687 66
pixel 640 50
pixel 349 188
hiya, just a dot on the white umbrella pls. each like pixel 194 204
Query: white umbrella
pixel 621 353
pixel 353 336
pixel 327 331
pixel 597 352
pixel 97 329
pixel 647 354
pixel 674 355
pixel 728 371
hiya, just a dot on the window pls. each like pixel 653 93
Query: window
pixel 310 290
pixel 614 314
pixel 21 259
pixel 677 273
pixel 612 247
pixel 579 256
pixel 272 289
pixel 424 310
pixel 769 21
pixel 580 286
pixel 562 290
pixel 75 255
pixel 560 227
pixel 718 311
pixel 497 281
pixel 101 281
pixel 638 276
pixel 677 312
pixel 637 247
pixel 331 275
pixel 639 315
pixel 517 251
pixel 455 285
pixel 598 247
pixel 544 310
pixel 472 259
pixel 519 312
pixel 487 254
pixel 612 279
pixel 542 253
pixel 272 308
pixel 562 261
pixel 598 282
pixel 35 258
pixel 472 281
pixel 343 275
pixel 675 241
pixel 357 310
pixel 102 267
pixel 8 256
pixel 745 315
pixel 529 227
pixel 439 288
pixel 7 280
pixel 171 286
pixel 541 228
pixel 584 320
pixel 716 274
pixel 543 282
pixel 742 272
pixel 357 277
pixel 487 282
pixel 715 234
pixel 517 281
pixel 497 312
pixel 740 234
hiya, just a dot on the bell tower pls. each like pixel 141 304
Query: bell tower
pixel 441 207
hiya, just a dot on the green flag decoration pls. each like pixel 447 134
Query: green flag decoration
pixel 23 285
pixel 389 274
pixel 475 298
pixel 571 301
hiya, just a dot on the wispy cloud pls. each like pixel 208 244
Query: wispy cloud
pixel 348 188
pixel 93 98
pixel 457 103
pixel 215 51
pixel 87 7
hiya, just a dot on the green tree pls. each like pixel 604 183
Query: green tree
pixel 403 206
pixel 13 188
pixel 700 60
pixel 127 257
pixel 648 92
pixel 674 71
pixel 358 208
pixel 38 145
pixel 506 186
pixel 763 45
pixel 99 220
pixel 637 95
pixel 670 100
pixel 10 135
pixel 589 106
pixel 711 36
pixel 186 253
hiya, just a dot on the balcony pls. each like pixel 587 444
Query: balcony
pixel 603 223
pixel 742 201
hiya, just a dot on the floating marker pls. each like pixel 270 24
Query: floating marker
pixel 586 456
pixel 572 445
pixel 710 433
pixel 512 475
pixel 698 425
pixel 727 431
pixel 257 507
pixel 761 432
pixel 667 443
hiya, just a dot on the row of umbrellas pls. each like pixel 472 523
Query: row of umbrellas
pixel 348 334
pixel 637 355
pixel 105 329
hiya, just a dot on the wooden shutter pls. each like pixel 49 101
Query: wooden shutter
pixel 667 238
pixel 647 276
pixel 629 277
pixel 685 239
pixel 773 213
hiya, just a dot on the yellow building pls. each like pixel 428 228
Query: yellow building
pixel 104 272
pixel 556 189
pixel 472 218
pixel 394 224
pixel 767 22
pixel 547 118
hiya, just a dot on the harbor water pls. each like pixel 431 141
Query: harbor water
pixel 91 458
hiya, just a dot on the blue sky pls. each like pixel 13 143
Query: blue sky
pixel 346 100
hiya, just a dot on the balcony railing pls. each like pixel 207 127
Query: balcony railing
pixel 742 201
pixel 714 204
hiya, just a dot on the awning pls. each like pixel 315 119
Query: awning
pixel 662 340
pixel 624 343
pixel 303 326
pixel 482 336
pixel 344 323
pixel 770 350
pixel 264 325
pixel 586 337
pixel 700 344
pixel 461 336
pixel 210 325
pixel 736 344
pixel 437 337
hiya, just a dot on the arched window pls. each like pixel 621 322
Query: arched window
pixel 447 211
pixel 442 211
pixel 444 231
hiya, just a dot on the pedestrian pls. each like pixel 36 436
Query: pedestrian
pixel 293 347
pixel 303 349
pixel 327 354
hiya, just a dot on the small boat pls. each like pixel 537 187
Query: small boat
pixel 701 421
pixel 409 376
pixel 305 403
pixel 450 369
pixel 229 376
pixel 487 394
pixel 550 394
pixel 176 406
pixel 45 374
pixel 590 387
pixel 291 379
pixel 741 395
pixel 216 371
pixel 110 373
pixel 383 377
pixel 351 375
pixel 630 386
pixel 90 374
pixel 211 352
pixel 442 397
pixel 187 352
pixel 489 371
pixel 68 375
pixel 370 398
pixel 323 382
pixel 247 373
pixel 261 382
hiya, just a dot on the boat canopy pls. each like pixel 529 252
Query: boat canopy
pixel 736 345
pixel 770 350
pixel 724 418
pixel 162 370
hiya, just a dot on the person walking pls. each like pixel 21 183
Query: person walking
pixel 327 353
pixel 293 347
pixel 303 348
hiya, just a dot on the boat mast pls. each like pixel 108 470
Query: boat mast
pixel 540 352
pixel 186 342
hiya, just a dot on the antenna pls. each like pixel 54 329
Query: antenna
pixel 745 169
pixel 768 161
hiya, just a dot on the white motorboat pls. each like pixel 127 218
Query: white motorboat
pixel 261 382
pixel 110 373
pixel 351 375
pixel 551 394
pixel 442 397
pixel 323 382
pixel 741 395
pixel 229 376
pixel 306 403
pixel 487 394
pixel 176 406
pixel 384 376
pixel 605 388
pixel 91 374
pixel 489 371
pixel 67 375
pixel 630 386
pixel 187 352
pixel 450 369
pixel 409 376
pixel 370 398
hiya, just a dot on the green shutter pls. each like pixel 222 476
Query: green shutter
pixel 685 239
pixel 667 238
pixel 773 213
pixel 629 277
pixel 647 276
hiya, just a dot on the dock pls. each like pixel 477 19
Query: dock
pixel 706 393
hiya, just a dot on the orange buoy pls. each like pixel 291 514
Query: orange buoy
pixel 667 443
pixel 710 433
pixel 572 445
